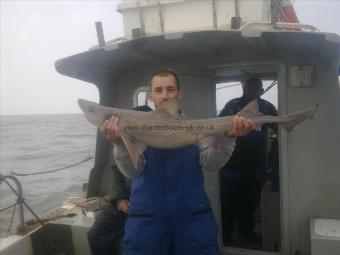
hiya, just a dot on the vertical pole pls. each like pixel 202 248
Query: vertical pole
pixel 141 17
pixel 100 34
pixel 274 11
pixel 214 14
pixel 236 20
pixel 237 8
pixel 161 21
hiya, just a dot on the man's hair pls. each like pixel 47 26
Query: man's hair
pixel 165 73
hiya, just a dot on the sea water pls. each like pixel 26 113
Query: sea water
pixel 36 143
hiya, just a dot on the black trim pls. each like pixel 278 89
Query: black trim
pixel 206 210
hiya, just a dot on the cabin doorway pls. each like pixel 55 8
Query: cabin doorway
pixel 248 201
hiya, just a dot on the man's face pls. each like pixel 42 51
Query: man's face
pixel 252 91
pixel 163 88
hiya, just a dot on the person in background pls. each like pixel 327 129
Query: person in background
pixel 241 177
pixel 170 212
pixel 105 236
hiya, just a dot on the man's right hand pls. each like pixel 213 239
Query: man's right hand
pixel 110 129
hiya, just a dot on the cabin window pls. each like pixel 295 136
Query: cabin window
pixel 141 98
pixel 225 92
pixel 270 94
pixel 228 90
pixel 235 184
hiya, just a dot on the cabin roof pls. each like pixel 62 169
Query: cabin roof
pixel 205 49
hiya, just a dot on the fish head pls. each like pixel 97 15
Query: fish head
pixel 170 106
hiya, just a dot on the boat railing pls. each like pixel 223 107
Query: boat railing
pixel 248 26
pixel 279 26
pixel 20 199
pixel 22 227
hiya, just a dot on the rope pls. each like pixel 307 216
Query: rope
pixel 54 170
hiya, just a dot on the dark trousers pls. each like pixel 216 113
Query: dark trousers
pixel 240 196
pixel 106 235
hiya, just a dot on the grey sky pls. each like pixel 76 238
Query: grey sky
pixel 34 34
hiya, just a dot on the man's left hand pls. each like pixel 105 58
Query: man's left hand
pixel 123 205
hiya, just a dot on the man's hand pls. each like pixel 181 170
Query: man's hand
pixel 241 126
pixel 110 129
pixel 123 205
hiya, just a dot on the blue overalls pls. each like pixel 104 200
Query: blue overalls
pixel 170 213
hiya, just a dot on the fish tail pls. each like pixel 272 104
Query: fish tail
pixel 289 121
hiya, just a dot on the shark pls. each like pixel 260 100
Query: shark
pixel 165 128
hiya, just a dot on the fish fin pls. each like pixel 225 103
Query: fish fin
pixel 289 121
pixel 212 141
pixel 171 106
pixel 134 148
pixel 251 109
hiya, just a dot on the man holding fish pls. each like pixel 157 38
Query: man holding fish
pixel 169 211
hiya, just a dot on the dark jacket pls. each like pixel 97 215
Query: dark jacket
pixel 250 150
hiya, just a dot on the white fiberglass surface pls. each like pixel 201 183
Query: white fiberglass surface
pixel 327 227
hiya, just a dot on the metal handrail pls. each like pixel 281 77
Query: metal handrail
pixel 305 27
pixel 280 25
pixel 18 192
